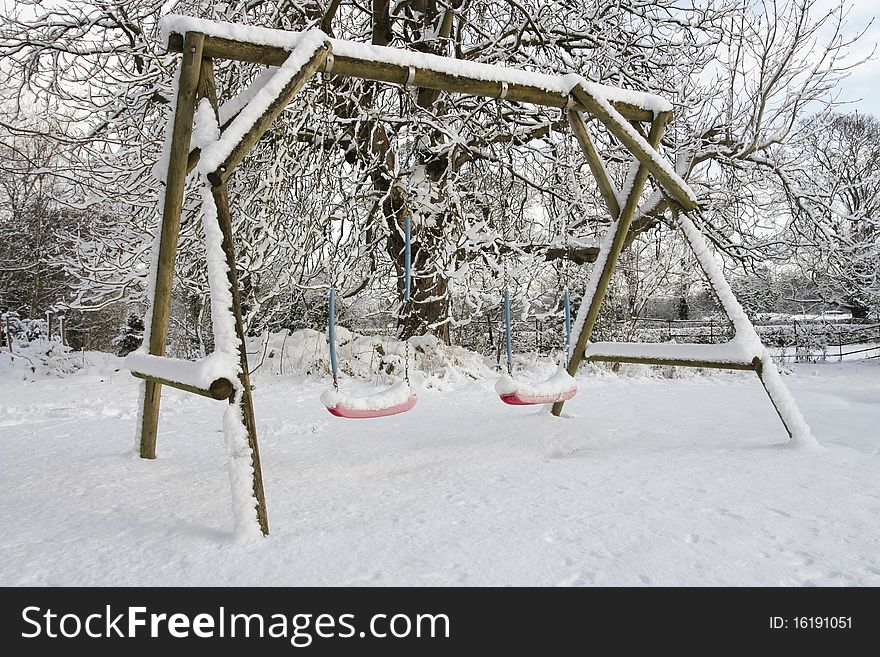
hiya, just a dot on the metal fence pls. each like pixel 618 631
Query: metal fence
pixel 791 338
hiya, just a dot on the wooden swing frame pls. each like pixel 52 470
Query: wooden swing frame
pixel 638 129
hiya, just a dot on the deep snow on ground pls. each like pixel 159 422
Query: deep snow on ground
pixel 648 481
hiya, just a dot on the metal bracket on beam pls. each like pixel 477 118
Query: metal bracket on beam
pixel 410 78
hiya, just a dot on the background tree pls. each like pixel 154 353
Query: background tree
pixel 321 200
pixel 838 215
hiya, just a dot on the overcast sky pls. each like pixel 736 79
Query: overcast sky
pixel 863 84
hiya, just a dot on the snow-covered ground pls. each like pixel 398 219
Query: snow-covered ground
pixel 649 481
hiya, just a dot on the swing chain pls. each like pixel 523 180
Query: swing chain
pixel 566 302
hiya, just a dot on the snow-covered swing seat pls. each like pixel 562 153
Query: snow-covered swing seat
pixel 399 398
pixel 396 399
pixel 559 387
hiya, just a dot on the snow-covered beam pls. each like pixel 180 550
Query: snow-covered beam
pixel 429 72
pixel 609 253
pixel 220 389
pixel 210 377
pixel 733 355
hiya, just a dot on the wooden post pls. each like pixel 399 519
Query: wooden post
pixel 224 218
pixel 621 230
pixel 759 370
pixel 180 141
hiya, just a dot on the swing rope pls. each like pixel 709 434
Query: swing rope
pixel 566 303
pixel 407 286
pixel 331 336
pixel 508 343
pixel 566 298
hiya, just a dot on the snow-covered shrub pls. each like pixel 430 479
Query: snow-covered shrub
pixel 39 358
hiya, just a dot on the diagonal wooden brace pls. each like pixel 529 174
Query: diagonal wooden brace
pixel 645 153
pixel 621 229
pixel 262 124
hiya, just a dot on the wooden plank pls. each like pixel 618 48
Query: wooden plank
pixel 606 187
pixel 180 141
pixel 243 147
pixel 681 362
pixel 425 78
pixel 219 389
pixel 661 175
pixel 224 218
pixel 623 223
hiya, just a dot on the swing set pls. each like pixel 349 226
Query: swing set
pixel 636 120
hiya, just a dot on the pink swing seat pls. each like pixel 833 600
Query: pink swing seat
pixel 559 387
pixel 399 398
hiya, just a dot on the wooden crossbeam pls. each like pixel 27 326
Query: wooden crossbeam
pixel 424 78
pixel 681 362
pixel 219 389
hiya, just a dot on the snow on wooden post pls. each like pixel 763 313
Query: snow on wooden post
pixel 240 400
pixel 619 230
pixel 798 430
pixel 176 177
pixel 224 219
